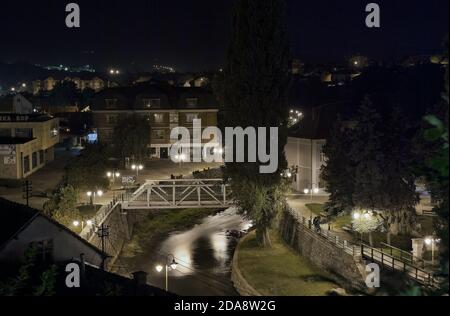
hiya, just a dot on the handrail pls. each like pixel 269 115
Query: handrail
pixel 427 278
pixel 405 253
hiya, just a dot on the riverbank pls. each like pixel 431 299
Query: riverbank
pixel 160 223
pixel 200 241
pixel 279 271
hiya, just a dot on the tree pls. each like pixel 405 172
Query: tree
pixel 436 172
pixel 369 166
pixel 367 152
pixel 131 137
pixel 32 278
pixel 87 171
pixel 255 86
pixel 399 185
pixel 366 223
pixel 64 93
pixel 62 206
pixel 338 173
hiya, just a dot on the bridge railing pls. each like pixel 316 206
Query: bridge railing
pixel 389 261
pixel 348 246
pixel 179 193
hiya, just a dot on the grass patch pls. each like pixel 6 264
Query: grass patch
pixel 342 221
pixel 88 211
pixel 160 223
pixel 315 208
pixel 280 271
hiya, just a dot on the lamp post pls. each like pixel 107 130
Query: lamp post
pixel 365 222
pixel 137 168
pixel 180 158
pixel 170 264
pixel 77 223
pixel 432 241
pixel 93 194
pixel 112 176
pixel 312 190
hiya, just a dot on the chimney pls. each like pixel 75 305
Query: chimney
pixel 140 281
pixel 140 278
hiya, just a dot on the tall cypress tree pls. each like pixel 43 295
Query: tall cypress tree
pixel 255 88
pixel 338 173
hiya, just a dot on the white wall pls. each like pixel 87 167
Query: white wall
pixel 306 155
pixel 65 245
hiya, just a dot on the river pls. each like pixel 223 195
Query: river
pixel 203 255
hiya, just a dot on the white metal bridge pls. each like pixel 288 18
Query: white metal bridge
pixel 179 194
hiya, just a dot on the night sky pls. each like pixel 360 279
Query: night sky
pixel 193 34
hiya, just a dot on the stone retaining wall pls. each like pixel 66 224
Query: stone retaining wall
pixel 342 266
pixel 120 226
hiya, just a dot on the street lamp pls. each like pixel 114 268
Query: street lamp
pixel 93 194
pixel 432 241
pixel 82 223
pixel 180 158
pixel 112 176
pixel 313 190
pixel 170 264
pixel 137 168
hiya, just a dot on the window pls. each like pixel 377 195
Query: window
pixel 108 134
pixel 159 118
pixel 5 132
pixel 41 157
pixel 24 132
pixel 191 102
pixel 190 117
pixel 44 250
pixel 152 103
pixel 34 160
pixel 111 103
pixel 158 134
pixel 174 118
pixel 111 119
pixel 26 164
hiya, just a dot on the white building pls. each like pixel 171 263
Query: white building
pixel 24 227
pixel 304 149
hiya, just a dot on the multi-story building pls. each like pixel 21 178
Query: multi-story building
pixel 164 106
pixel 26 143
pixel 304 149
pixel 82 81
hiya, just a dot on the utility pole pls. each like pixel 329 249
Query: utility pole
pixel 102 233
pixel 27 190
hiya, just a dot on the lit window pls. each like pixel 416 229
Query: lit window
pixel 152 103
pixel 190 117
pixel 191 102
pixel 159 118
pixel 174 117
pixel 158 134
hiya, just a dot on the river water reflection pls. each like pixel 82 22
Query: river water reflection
pixel 203 254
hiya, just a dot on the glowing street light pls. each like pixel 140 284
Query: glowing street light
pixel 313 190
pixel 92 194
pixel 432 241
pixel 137 168
pixel 170 264
pixel 112 176
pixel 77 223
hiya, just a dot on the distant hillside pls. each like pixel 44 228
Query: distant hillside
pixel 11 74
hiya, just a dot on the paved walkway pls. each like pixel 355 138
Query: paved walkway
pixel 298 204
